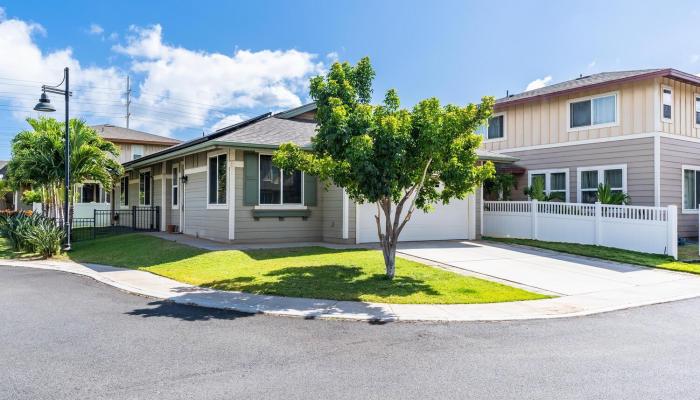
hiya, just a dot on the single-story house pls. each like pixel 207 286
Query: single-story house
pixel 224 187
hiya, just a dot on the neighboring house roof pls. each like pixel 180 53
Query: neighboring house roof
pixel 118 134
pixel 594 81
pixel 3 168
pixel 266 131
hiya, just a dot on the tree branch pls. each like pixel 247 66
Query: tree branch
pixel 419 187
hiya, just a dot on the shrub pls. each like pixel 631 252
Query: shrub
pixel 45 237
pixel 31 233
pixel 31 196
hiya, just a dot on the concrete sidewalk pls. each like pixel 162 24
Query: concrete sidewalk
pixel 681 286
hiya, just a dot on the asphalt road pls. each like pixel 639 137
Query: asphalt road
pixel 68 337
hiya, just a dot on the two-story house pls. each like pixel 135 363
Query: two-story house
pixel 132 145
pixel 636 131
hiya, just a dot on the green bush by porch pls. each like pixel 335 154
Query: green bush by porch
pixel 312 272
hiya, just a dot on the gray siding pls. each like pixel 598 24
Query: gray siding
pixel 675 154
pixel 638 154
pixel 332 199
pixel 199 220
pixel 247 229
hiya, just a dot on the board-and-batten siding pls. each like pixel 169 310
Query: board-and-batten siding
pixel 270 230
pixel 637 154
pixel 125 150
pixel 675 154
pixel 683 109
pixel 545 121
pixel 332 206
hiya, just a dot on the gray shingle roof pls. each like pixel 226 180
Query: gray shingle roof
pixel 273 131
pixel 579 83
pixel 119 134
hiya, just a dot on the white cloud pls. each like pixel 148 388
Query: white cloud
pixel 246 79
pixel 694 58
pixel 95 29
pixel 591 64
pixel 176 87
pixel 228 121
pixel 29 67
pixel 3 16
pixel 332 56
pixel 539 83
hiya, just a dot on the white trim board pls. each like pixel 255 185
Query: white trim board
pixel 196 170
pixel 581 142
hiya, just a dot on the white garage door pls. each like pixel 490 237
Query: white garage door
pixel 445 222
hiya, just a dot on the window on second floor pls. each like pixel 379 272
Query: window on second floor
pixel 593 111
pixel 136 151
pixel 493 129
pixel 697 110
pixel 667 99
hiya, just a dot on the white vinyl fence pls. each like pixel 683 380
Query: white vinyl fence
pixel 645 229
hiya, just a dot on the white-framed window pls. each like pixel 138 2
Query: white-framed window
pixel 277 186
pixel 174 199
pixel 588 179
pixel 697 109
pixel 555 182
pixel 667 104
pixel 145 188
pixel 494 129
pixel 124 191
pixel 216 180
pixel 598 111
pixel 691 188
pixel 136 151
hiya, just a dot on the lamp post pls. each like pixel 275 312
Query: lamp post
pixel 44 105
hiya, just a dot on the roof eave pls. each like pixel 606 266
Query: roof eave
pixel 661 73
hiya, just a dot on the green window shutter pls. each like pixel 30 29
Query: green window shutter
pixel 250 178
pixel 309 190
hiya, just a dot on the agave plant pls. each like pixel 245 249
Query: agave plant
pixel 608 196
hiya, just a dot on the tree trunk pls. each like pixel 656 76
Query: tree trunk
pixel 389 251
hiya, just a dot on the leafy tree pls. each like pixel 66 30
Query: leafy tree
pixel 607 196
pixel 38 159
pixel 399 159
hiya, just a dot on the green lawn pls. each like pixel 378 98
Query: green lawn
pixel 7 253
pixel 315 272
pixel 609 253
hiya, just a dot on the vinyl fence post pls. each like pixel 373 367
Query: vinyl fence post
pixel 597 234
pixel 672 231
pixel 533 229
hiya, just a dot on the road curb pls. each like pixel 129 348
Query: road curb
pixel 154 286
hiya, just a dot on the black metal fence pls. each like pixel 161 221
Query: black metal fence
pixel 114 222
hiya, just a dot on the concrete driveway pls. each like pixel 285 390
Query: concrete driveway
pixel 542 270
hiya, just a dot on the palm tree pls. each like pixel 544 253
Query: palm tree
pixel 38 159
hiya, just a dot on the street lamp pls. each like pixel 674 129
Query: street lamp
pixel 44 105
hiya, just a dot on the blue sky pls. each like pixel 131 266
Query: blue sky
pixel 199 65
